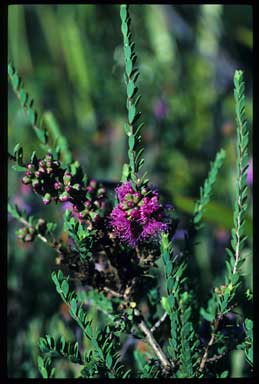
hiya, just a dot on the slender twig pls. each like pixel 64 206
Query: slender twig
pixel 149 336
pixel 112 292
pixel 167 365
pixel 216 358
pixel 210 343
pixel 159 322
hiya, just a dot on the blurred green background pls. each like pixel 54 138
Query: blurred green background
pixel 71 60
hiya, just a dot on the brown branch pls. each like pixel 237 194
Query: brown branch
pixel 112 292
pixel 167 365
pixel 210 343
pixel 215 358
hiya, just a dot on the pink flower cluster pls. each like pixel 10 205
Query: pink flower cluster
pixel 139 216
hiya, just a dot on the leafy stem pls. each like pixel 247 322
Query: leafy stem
pixel 27 105
pixel 132 128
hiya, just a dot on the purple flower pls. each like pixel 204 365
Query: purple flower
pixel 138 216
pixel 67 205
pixel 249 179
pixel 123 190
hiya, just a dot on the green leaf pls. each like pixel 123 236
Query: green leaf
pixel 127 52
pixel 132 113
pixel 65 287
pixel 23 97
pixel 63 343
pixel 73 306
pixel 224 374
pixel 131 141
pixel 44 372
pixel 60 275
pixel 129 67
pixel 126 129
pixel 32 117
pixel 248 324
pixel 108 361
pixel 51 227
pixel 165 304
pixel 19 168
pixel 130 89
pixel 124 28
pixel 206 315
pixel 41 135
pixel 10 70
pixel 16 81
pixel 123 12
pixel 249 355
pixel 16 148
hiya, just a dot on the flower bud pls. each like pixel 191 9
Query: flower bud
pixel 57 185
pixel 87 203
pixel 90 188
pixel 41 225
pixel 49 170
pixel 26 180
pixel 64 197
pixel 31 230
pixel 28 237
pixel 96 218
pixel 35 183
pixel 68 188
pixel 37 173
pixel 83 214
pixel 42 170
pixel 46 199
pixel 67 178
pixel 76 186
pixel 49 156
pixel 93 183
pixel 20 233
pixel 101 191
pixel 41 163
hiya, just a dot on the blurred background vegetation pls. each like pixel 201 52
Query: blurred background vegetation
pixel 71 60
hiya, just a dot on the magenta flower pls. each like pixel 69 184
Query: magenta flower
pixel 139 216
